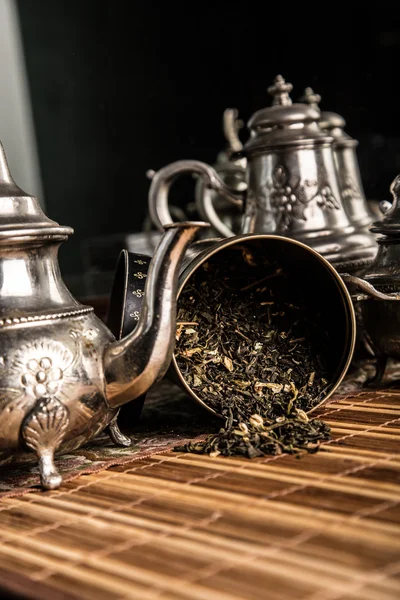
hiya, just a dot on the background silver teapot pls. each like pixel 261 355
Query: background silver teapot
pixel 359 212
pixel 63 377
pixel 292 184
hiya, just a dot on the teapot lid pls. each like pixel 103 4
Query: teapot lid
pixel 20 214
pixel 284 123
pixel 330 122
pixel 390 224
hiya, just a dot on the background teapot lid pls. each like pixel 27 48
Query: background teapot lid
pixel 330 122
pixel 284 123
pixel 21 214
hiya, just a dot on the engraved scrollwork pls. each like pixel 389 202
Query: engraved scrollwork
pixel 290 196
pixel 46 425
pixel 135 315
pixel 140 275
pixel 138 293
pixel 140 262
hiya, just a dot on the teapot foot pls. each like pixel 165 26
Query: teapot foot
pixel 376 380
pixel 116 434
pixel 43 431
pixel 49 476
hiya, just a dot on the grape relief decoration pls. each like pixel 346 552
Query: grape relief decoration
pixel 289 196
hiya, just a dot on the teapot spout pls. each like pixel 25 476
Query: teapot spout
pixel 133 364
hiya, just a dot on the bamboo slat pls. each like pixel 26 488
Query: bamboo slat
pixel 177 526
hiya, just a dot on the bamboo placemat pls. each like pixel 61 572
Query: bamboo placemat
pixel 180 526
pixel 169 418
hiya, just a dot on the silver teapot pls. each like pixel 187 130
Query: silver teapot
pixel 360 214
pixel 292 184
pixel 63 376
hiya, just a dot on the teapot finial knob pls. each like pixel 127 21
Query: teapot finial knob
pixel 280 91
pixel 311 98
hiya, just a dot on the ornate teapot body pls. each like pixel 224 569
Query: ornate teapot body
pixel 63 377
pixel 379 284
pixel 292 184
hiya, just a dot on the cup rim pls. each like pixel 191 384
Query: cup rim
pixel 222 244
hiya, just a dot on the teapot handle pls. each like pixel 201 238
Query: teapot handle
pixel 370 291
pixel 163 179
pixel 206 209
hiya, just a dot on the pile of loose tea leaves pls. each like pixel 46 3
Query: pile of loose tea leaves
pixel 253 350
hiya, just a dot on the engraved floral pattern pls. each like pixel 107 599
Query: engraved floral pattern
pixel 41 379
pixel 290 197
pixel 85 341
pixel 326 198
pixel 350 190
pixel 140 275
pixel 42 367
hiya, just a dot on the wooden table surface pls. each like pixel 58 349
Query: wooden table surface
pixel 181 526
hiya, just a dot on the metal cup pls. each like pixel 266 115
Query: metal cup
pixel 325 291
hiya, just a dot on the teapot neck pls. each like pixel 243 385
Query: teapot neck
pixel 31 287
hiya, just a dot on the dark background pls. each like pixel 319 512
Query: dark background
pixel 121 87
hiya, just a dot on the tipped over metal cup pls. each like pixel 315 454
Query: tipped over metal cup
pixel 322 288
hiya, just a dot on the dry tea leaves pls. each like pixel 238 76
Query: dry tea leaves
pixel 254 353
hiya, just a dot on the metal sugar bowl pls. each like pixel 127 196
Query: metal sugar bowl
pixel 63 376
pixel 292 184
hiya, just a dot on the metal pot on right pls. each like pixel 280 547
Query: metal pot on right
pixel 377 288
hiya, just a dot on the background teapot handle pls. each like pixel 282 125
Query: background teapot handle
pixel 206 209
pixel 163 179
pixel 204 197
pixel 370 291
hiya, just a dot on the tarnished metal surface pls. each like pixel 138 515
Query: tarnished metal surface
pixel 63 376
pixel 302 262
pixel 380 288
pixel 292 184
pixel 360 214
